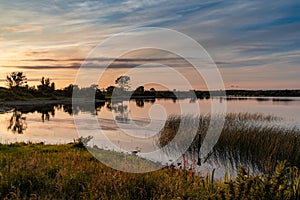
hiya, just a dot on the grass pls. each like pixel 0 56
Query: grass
pixel 249 139
pixel 37 171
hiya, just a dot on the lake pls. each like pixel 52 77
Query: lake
pixel 128 125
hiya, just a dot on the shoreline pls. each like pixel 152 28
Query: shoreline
pixel 34 102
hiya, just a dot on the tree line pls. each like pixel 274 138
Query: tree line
pixel 19 90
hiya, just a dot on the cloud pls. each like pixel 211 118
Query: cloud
pixel 237 34
pixel 23 28
pixel 28 79
pixel 105 59
pixel 38 53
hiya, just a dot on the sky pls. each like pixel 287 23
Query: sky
pixel 255 44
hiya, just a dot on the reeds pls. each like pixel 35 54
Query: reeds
pixel 250 139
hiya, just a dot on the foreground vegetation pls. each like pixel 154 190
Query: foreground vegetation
pixel 40 171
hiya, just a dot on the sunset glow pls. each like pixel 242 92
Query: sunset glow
pixel 255 46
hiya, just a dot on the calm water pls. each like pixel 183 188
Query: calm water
pixel 55 123
pixel 128 125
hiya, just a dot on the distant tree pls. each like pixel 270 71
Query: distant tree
pixel 94 86
pixel 46 85
pixel 110 89
pixel 32 88
pixel 52 86
pixel 16 79
pixel 45 82
pixel 140 89
pixel 123 82
pixel 152 90
pixel 68 91
pixel 99 94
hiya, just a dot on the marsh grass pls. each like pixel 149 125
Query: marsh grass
pixel 37 171
pixel 250 139
pixel 124 161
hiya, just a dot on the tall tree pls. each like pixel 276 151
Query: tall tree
pixel 16 79
pixel 46 85
pixel 123 82
pixel 45 81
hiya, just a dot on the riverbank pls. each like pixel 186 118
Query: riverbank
pixel 31 94
pixel 69 171
pixel 68 101
pixel 36 102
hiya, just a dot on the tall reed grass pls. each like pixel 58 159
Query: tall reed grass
pixel 250 139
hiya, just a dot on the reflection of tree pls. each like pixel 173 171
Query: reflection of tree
pixel 68 109
pixel 193 99
pixel 46 112
pixel 152 101
pixel 17 123
pixel 140 103
pixel 90 107
pixel 120 109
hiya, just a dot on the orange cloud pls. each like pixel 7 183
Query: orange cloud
pixel 23 28
pixel 38 53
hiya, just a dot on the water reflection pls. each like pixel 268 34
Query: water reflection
pixel 46 112
pixel 139 103
pixel 88 107
pixel 223 155
pixel 246 139
pixel 152 101
pixel 67 108
pixel 17 122
pixel 120 109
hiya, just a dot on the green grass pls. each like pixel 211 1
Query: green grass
pixel 37 171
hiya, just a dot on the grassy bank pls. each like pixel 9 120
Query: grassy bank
pixel 250 139
pixel 39 171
